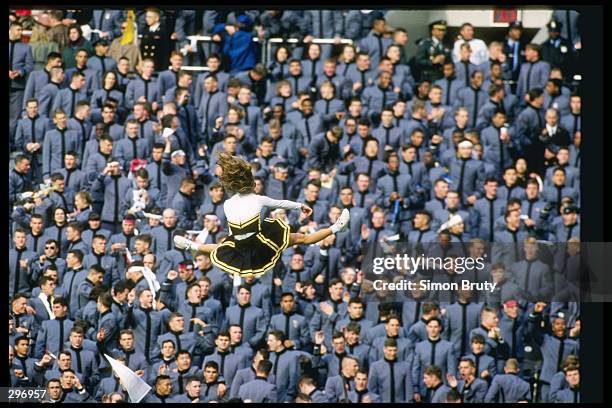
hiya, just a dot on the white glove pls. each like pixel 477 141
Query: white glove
pixel 184 243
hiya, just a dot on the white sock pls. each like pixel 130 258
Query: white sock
pixel 237 280
pixel 335 228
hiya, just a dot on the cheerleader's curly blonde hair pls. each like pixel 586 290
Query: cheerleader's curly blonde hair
pixel 236 174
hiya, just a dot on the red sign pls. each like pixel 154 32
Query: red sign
pixel 505 15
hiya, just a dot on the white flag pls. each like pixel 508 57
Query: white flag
pixel 86 30
pixel 128 256
pixel 135 386
pixel 154 216
pixel 201 238
pixel 167 132
pixel 150 278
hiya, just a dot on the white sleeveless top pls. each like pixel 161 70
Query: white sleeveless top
pixel 242 208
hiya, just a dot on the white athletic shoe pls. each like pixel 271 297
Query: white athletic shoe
pixel 342 223
pixel 182 242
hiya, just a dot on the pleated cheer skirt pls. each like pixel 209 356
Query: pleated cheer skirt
pixel 256 254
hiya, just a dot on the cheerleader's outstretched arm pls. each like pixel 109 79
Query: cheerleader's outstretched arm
pixel 266 201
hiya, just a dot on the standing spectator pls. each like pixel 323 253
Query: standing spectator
pixel 472 97
pixel 144 88
pixel 432 351
pixel 533 73
pixel 54 332
pixel 251 318
pixel 23 368
pixel 238 45
pixel 41 77
pixel 436 389
pixel 131 146
pixel 390 377
pixel 337 388
pixel 109 90
pixel 361 393
pixel 555 340
pixel 29 136
pixel 377 97
pixel 100 61
pixel 572 393
pixel 323 149
pixel 400 38
pixel 529 126
pixel 20 259
pixel 213 63
pixel 514 48
pixel 467 174
pixel 57 142
pixel 431 53
pixel 20 65
pixel 67 99
pixel 479 49
pixel 155 41
pixel 256 79
pixel 183 203
pixel 450 83
pixel 92 79
pixel 126 46
pixel 325 24
pixel 570 24
pixel 375 44
pixel 471 388
pixel 47 94
pixel 312 64
pixel 559 51
pixel 42 45
pixel 572 122
pixel 464 67
pixel 291 323
pixel 497 140
pixel 212 106
pixel 114 186
pixel 146 324
pixel 259 389
pixel 351 22
pixel 346 59
pixel 168 79
pixel 496 54
pixel 279 65
pixel 105 24
pixel 76 43
pixel 58 32
pixel 509 387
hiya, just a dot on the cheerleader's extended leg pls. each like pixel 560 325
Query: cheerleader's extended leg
pixel 307 239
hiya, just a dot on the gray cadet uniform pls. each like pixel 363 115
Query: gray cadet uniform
pixel 391 380
pixel 258 390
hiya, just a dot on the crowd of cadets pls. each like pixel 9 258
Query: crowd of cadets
pixel 442 147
